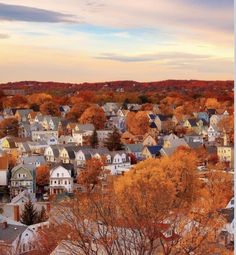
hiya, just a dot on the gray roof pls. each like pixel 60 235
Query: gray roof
pixel 137 147
pixel 167 151
pixel 86 127
pixel 10 233
pixel 33 159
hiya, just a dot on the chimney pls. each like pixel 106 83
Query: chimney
pixel 16 213
pixel 4 225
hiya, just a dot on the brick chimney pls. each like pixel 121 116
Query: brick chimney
pixel 4 225
pixel 16 213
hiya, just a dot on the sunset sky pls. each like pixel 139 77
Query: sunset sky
pixel 101 40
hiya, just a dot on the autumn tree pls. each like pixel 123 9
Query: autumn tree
pixel 138 124
pixel 76 111
pixel 42 176
pixel 135 214
pixel 39 98
pixel 50 108
pixel 113 142
pixel 9 126
pixel 94 115
pixel 91 175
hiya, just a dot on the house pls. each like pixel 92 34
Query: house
pixel 17 238
pixel 194 141
pixel 103 135
pixel 4 164
pixel 173 141
pixel 203 116
pixel 197 126
pixel 67 154
pixel 148 140
pixel 225 154
pixel 60 180
pixel 23 177
pixel 111 109
pixel 84 154
pixel 117 122
pixel 64 109
pixel 51 153
pixel 66 139
pixel 216 118
pixel 151 151
pixel 118 162
pixel 211 112
pixel 227 232
pixel 167 140
pixel 135 149
pixel 33 160
pixel 22 114
pixel 164 122
pixel 213 133
pixel 45 135
pixel 32 115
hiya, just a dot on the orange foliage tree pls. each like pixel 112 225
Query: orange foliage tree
pixel 9 126
pixel 42 175
pixel 94 115
pixel 138 124
pixel 161 206
pixel 50 108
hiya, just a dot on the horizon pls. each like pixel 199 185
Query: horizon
pixel 92 41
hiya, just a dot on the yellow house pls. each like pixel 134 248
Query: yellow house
pixel 226 154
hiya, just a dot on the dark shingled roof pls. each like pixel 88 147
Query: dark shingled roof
pixel 154 149
pixel 10 233
pixel 164 117
pixel 153 125
pixel 152 116
pixel 193 122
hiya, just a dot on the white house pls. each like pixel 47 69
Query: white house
pixel 118 162
pixel 213 133
pixel 60 180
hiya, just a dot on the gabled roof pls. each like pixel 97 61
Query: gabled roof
pixel 192 122
pixel 33 159
pixel 152 116
pixel 137 147
pixel 153 125
pixel 154 149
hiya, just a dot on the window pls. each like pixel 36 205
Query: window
pixel 65 182
pixel 57 174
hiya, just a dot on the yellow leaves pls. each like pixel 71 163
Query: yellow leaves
pixel 212 103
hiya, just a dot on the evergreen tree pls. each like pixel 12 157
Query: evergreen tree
pixel 94 139
pixel 29 215
pixel 113 142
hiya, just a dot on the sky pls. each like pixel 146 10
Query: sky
pixel 104 40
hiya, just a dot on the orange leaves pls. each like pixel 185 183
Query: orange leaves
pixel 50 108
pixel 138 123
pixel 94 115
pixel 9 126
pixel 42 175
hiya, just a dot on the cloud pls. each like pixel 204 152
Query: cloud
pixel 4 36
pixel 30 14
pixel 164 56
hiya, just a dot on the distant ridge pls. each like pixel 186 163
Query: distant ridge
pixel 127 85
